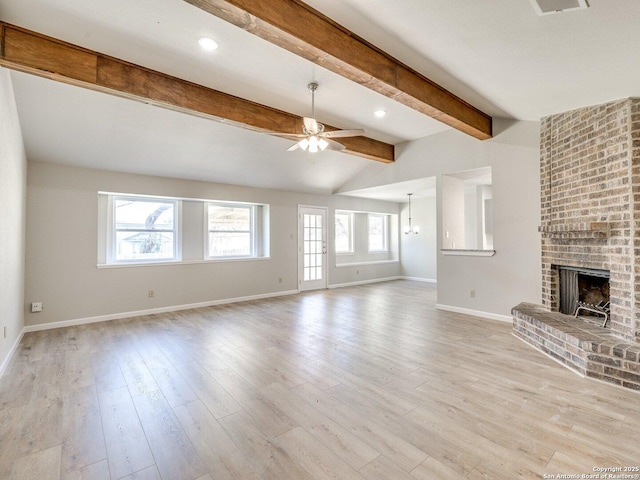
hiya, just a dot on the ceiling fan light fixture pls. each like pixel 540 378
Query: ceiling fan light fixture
pixel 314 138
pixel 304 143
pixel 313 144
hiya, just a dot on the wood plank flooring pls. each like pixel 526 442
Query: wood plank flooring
pixel 367 382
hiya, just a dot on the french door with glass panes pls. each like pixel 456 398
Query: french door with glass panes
pixel 312 247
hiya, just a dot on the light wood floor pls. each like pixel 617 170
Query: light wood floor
pixel 367 382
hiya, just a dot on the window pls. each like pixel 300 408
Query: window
pixel 144 229
pixel 231 230
pixel 378 232
pixel 363 238
pixel 344 232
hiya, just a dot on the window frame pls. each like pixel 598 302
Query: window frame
pixel 252 231
pixel 351 247
pixel 385 232
pixel 192 231
pixel 112 242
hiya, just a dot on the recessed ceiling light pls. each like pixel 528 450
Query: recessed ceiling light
pixel 208 44
pixel 380 113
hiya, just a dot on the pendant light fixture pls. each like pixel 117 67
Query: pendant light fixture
pixel 410 228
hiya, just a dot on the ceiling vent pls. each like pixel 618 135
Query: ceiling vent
pixel 547 7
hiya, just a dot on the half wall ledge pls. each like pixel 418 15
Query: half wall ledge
pixel 586 348
pixel 467 253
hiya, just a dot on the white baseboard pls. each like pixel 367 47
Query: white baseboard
pixel 475 313
pixel 138 313
pixel 363 282
pixel 420 279
pixel 10 353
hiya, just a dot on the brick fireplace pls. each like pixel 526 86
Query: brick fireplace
pixel 590 219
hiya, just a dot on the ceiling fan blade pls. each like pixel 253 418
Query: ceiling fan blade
pixel 311 125
pixel 293 147
pixel 344 133
pixel 333 145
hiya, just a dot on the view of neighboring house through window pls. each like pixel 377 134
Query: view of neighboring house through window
pixel 144 229
pixel 231 230
pixel 378 232
pixel 344 232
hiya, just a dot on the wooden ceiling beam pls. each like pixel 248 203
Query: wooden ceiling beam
pixel 295 26
pixel 37 54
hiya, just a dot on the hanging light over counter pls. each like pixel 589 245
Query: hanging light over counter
pixel 409 229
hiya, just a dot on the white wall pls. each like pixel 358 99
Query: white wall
pixel 513 274
pixel 477 212
pixel 62 247
pixel 471 215
pixel 419 252
pixel 453 212
pixel 485 216
pixel 13 176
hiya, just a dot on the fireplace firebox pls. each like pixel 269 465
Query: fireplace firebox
pixel 584 292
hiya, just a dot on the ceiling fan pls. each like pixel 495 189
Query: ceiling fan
pixel 313 136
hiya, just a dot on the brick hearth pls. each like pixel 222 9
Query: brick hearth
pixel 584 347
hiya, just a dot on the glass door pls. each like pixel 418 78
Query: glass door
pixel 312 248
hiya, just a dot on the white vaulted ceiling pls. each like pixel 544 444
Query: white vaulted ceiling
pixel 497 55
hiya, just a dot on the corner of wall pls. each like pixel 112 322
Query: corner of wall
pixel 13 185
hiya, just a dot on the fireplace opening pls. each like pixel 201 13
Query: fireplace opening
pixel 584 292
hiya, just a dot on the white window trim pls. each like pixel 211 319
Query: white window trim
pixel 362 264
pixel 385 232
pixel 351 250
pixel 261 226
pixel 182 262
pixel 253 232
pixel 112 230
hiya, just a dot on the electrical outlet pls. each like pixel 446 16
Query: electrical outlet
pixel 472 294
pixel 152 294
pixel 36 307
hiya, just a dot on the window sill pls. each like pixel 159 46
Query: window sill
pixel 468 253
pixel 184 262
pixel 359 264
